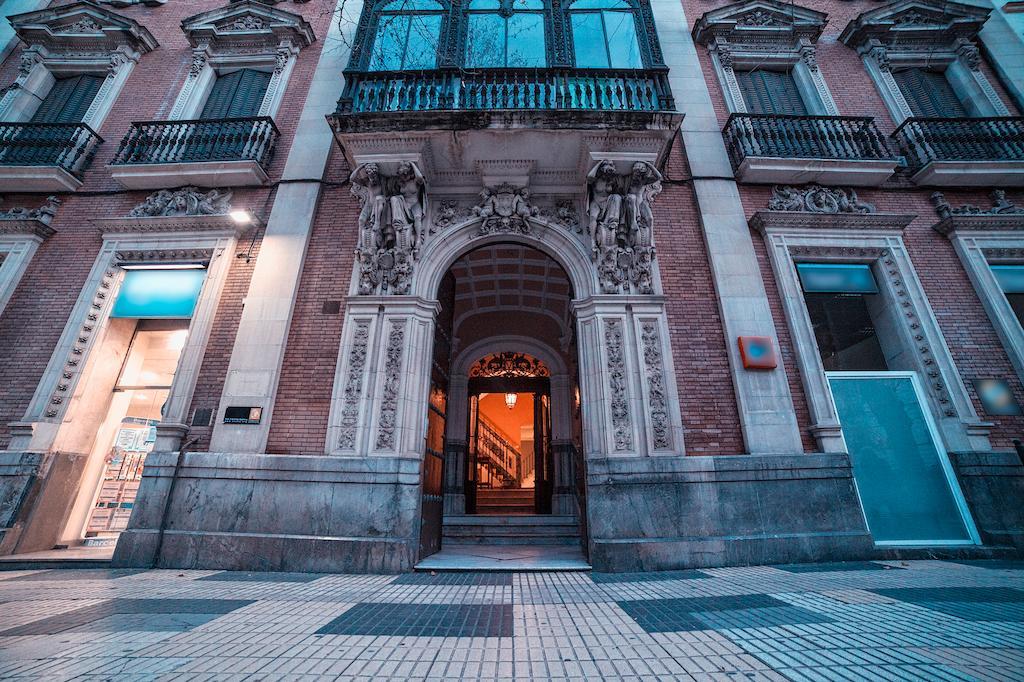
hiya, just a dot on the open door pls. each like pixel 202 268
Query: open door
pixel 544 481
pixel 470 475
pixel 432 499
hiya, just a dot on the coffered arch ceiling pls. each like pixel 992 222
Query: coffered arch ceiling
pixel 511 289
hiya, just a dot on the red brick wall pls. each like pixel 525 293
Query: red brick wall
pixel 39 308
pixel 969 334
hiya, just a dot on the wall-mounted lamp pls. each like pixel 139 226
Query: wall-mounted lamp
pixel 242 216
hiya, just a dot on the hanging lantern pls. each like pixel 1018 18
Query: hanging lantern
pixel 510 400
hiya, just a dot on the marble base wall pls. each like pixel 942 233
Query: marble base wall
pixel 993 485
pixel 37 492
pixel 664 513
pixel 19 475
pixel 275 513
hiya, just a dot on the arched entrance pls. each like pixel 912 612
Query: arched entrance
pixel 512 427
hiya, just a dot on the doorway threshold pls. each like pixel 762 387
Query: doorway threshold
pixel 80 556
pixel 505 558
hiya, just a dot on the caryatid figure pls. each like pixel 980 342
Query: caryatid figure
pixel 644 185
pixel 367 184
pixel 604 205
pixel 408 206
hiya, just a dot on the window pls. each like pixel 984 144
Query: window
pixel 236 95
pixel 505 33
pixel 929 93
pixel 604 35
pixel 68 100
pixel 1011 281
pixel 837 299
pixel 770 92
pixel 408 32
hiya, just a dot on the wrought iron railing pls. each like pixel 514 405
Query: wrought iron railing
pixel 923 140
pixel 70 146
pixel 812 137
pixel 497 454
pixel 526 89
pixel 223 139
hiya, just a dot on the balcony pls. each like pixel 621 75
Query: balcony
pixel 45 157
pixel 228 152
pixel 964 152
pixel 829 150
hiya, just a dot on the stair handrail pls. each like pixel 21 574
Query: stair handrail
pixel 499 450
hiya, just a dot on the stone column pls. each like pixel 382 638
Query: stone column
pixel 255 366
pixel 766 411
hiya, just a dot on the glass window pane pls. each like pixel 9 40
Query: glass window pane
pixel 588 40
pixel 485 42
pixel 838 278
pixel 389 45
pixel 599 4
pixel 903 486
pixel 158 293
pixel 622 40
pixel 485 4
pixel 154 353
pixel 536 5
pixel 526 40
pixel 1010 278
pixel 845 332
pixel 424 33
pixel 412 6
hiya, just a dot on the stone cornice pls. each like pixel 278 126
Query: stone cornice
pixel 760 21
pixel 980 223
pixel 248 23
pixel 936 22
pixel 765 221
pixel 196 224
pixel 25 226
pixel 82 26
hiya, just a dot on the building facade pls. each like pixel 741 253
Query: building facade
pixel 331 287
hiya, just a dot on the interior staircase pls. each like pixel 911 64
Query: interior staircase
pixel 504 501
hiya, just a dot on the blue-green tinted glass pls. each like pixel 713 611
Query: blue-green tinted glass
pixel 389 45
pixel 903 487
pixel 526 40
pixel 485 41
pixel 424 33
pixel 599 4
pixel 412 6
pixel 1010 278
pixel 536 5
pixel 158 293
pixel 588 41
pixel 485 4
pixel 622 41
pixel 832 278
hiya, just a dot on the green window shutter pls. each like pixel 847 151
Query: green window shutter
pixel 929 93
pixel 770 92
pixel 218 103
pixel 68 100
pixel 236 95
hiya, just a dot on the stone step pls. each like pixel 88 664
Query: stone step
pixel 520 529
pixel 504 494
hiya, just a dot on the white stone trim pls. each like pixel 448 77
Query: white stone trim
pixel 971 247
pixel 16 250
pixel 60 392
pixel 918 336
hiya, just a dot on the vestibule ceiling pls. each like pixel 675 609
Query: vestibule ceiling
pixel 508 289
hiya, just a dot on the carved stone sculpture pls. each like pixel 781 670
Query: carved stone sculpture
pixel 1000 206
pixel 183 202
pixel 621 225
pixel 393 209
pixel 505 209
pixel 817 199
pixel 43 214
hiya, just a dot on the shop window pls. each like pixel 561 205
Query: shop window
pixel 136 408
pixel 408 32
pixel 604 35
pixel 929 93
pixel 1011 281
pixel 839 299
pixel 505 33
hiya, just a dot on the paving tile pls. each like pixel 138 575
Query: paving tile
pixel 56 575
pixel 261 577
pixel 423 620
pixel 460 578
pixel 651 577
pixel 837 567
pixel 717 613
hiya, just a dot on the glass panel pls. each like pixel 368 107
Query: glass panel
pixel 421 52
pixel 133 416
pixel 1017 304
pixel 412 6
pixel 844 332
pixel 159 293
pixel 821 277
pixel 536 5
pixel 896 462
pixel 389 45
pixel 599 4
pixel 485 44
pixel 622 41
pixel 485 4
pixel 1010 278
pixel 588 40
pixel 526 40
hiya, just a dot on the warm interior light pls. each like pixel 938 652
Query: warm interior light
pixel 177 339
pixel 510 400
pixel 162 266
pixel 241 216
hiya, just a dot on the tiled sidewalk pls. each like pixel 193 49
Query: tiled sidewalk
pixel 926 620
